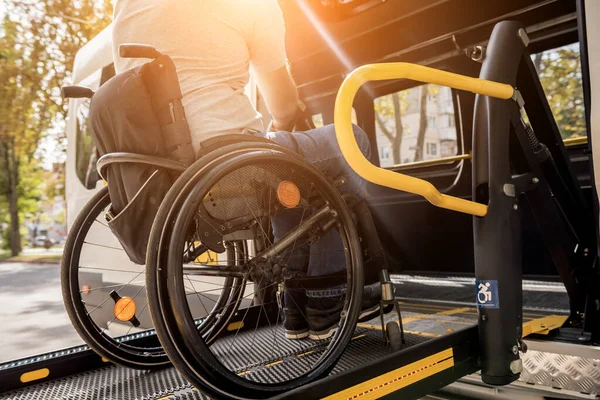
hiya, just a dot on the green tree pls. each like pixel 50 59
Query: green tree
pixel 560 75
pixel 38 42
pixel 23 113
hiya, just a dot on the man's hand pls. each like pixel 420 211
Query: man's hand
pixel 300 121
pixel 274 126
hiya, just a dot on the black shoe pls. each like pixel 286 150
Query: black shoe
pixel 324 313
pixel 294 324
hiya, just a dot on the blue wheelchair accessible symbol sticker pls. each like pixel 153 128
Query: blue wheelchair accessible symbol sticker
pixel 487 294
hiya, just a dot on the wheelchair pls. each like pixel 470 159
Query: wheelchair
pixel 216 276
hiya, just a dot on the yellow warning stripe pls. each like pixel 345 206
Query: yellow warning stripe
pixel 449 321
pixel 274 363
pixel 543 326
pixel 471 310
pixel 426 306
pixel 426 334
pixel 234 326
pixel 426 316
pixel 378 328
pixel 576 140
pixel 397 379
pixel 35 375
pixel 539 326
pixel 297 355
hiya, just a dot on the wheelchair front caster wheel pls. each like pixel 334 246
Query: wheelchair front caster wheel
pixel 394 336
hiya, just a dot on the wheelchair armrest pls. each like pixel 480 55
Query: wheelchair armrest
pixel 117 158
pixel 76 92
pixel 130 50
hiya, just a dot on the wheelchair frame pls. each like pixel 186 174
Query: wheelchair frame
pixel 178 165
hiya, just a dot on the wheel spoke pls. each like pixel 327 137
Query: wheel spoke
pixel 91 233
pixel 104 246
pixel 107 287
pixel 112 270
pixel 102 223
pixel 198 296
pixel 252 337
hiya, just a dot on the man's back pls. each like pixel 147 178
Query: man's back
pixel 213 43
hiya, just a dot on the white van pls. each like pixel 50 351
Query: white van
pixel 93 66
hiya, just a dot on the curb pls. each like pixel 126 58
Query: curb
pixel 35 261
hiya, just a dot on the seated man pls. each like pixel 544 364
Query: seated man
pixel 213 44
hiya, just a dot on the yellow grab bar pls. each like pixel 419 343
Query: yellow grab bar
pixel 395 180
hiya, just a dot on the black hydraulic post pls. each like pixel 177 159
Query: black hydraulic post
pixel 573 259
pixel 497 236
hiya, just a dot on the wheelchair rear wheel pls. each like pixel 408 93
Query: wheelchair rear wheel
pixel 229 207
pixel 104 292
pixel 157 254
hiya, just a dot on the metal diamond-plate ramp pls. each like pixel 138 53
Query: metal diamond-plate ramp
pixel 367 345
pixel 570 373
pixel 109 383
pixel 562 372
pixel 118 383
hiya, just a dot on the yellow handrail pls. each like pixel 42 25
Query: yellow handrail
pixel 574 141
pixel 395 180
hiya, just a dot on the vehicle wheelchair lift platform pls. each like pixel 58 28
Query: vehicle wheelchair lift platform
pixel 445 340
pixel 368 365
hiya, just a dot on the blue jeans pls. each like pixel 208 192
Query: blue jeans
pixel 320 148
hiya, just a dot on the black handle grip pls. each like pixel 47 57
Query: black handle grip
pixel 128 50
pixel 76 92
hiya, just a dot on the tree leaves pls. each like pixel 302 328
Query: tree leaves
pixel 38 43
pixel 560 75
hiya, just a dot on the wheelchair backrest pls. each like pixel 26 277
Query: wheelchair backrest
pixel 140 111
pixel 142 136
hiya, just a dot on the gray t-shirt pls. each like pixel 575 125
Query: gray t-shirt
pixel 213 44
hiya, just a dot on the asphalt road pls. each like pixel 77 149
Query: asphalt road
pixel 30 251
pixel 33 319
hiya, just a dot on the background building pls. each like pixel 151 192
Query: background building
pixel 440 139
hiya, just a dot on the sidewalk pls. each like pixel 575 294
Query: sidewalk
pixel 33 319
pixel 34 255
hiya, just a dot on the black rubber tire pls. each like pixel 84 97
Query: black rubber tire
pixel 394 336
pixel 156 256
pixel 202 368
pixel 120 353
